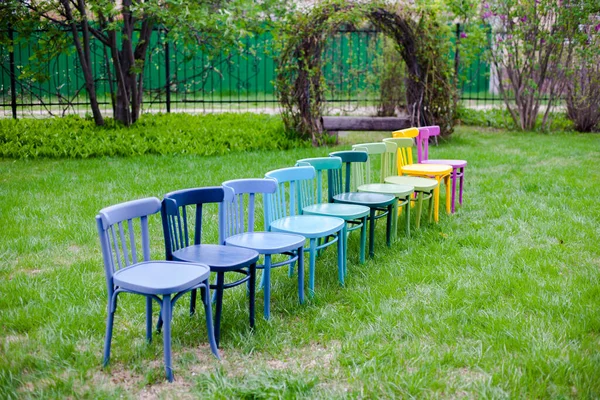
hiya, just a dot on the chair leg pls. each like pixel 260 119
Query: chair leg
pixel 291 268
pixel 448 195
pixel 431 206
pixel 454 178
pixel 388 226
pixel 363 239
pixel 167 309
pixel 205 293
pixel 341 254
pixel 342 270
pixel 219 307
pixel 436 203
pixel 311 266
pixel 148 319
pixel 462 178
pixel 407 207
pixel 395 221
pixel 372 212
pixel 252 297
pixel 193 302
pixel 419 209
pixel 301 274
pixel 108 337
pixel 267 285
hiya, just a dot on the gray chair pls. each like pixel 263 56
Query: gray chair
pixel 162 281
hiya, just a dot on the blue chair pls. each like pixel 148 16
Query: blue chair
pixel 153 279
pixel 341 191
pixel 355 215
pixel 240 232
pixel 283 214
pixel 182 210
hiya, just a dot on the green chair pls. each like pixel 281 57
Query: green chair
pixel 365 181
pixel 341 191
pixel 424 187
pixel 354 215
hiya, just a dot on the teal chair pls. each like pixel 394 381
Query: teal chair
pixel 341 191
pixel 328 172
pixel 283 213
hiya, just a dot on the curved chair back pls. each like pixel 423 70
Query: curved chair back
pixel 406 133
pixel 332 166
pixel 351 160
pixel 292 194
pixel 117 234
pixel 387 150
pixel 244 191
pixel 404 155
pixel 180 208
pixel 425 133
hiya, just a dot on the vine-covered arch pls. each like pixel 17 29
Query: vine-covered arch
pixel 429 91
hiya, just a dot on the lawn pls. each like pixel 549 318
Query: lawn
pixel 500 300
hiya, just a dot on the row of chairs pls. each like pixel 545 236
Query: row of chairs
pixel 319 200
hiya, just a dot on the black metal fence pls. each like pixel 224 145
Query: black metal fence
pixel 177 80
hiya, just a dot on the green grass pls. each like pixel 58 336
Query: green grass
pixel 500 300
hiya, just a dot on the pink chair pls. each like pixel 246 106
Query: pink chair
pixel 458 166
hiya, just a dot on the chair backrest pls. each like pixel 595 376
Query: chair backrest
pixel 404 153
pixel 330 166
pixel 293 192
pixel 425 133
pixel 117 234
pixel 178 210
pixel 387 153
pixel 350 160
pixel 244 192
pixel 406 133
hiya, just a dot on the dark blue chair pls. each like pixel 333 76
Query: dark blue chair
pixel 240 231
pixel 162 281
pixel 182 228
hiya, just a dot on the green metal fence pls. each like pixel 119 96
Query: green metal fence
pixel 235 80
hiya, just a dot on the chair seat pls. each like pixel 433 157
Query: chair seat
pixel 427 169
pixel 365 198
pixel 453 163
pixel 341 210
pixel 266 242
pixel 309 226
pixel 161 277
pixel 387 188
pixel 420 184
pixel 219 258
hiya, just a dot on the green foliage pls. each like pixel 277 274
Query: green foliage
pixel 418 33
pixel 501 119
pixel 536 48
pixel 206 135
pixel 391 73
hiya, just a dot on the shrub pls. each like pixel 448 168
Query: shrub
pixel 501 119
pixel 75 137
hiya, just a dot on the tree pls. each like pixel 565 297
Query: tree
pixel 583 90
pixel 533 51
pixel 123 27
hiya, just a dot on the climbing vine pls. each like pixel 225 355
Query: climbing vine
pixel 419 38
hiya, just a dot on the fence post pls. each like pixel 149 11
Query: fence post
pixel 168 75
pixel 13 77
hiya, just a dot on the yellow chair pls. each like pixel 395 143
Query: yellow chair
pixel 439 172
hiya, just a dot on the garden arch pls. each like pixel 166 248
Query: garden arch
pixel 429 90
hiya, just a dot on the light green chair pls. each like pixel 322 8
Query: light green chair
pixel 366 181
pixel 425 188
